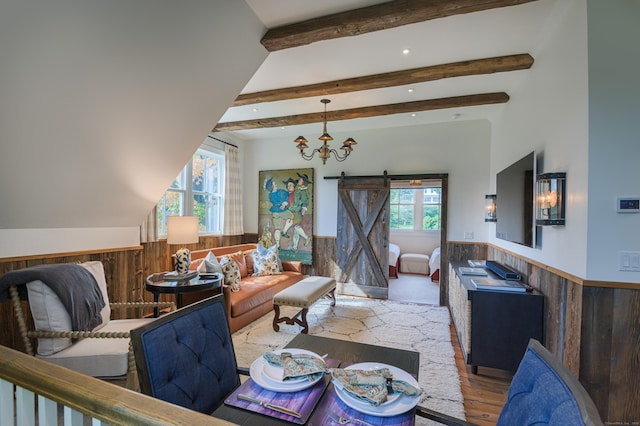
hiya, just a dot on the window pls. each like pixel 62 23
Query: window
pixel 202 183
pixel 416 208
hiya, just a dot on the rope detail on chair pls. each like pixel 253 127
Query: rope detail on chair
pixel 19 314
pixel 79 334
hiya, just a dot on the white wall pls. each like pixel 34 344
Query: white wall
pixel 413 242
pixel 459 148
pixel 103 102
pixel 550 116
pixel 614 144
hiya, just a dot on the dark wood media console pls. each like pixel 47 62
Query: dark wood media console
pixel 494 327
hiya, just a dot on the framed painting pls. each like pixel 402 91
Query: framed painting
pixel 285 212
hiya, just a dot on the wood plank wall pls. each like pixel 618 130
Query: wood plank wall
pixel 125 271
pixel 594 330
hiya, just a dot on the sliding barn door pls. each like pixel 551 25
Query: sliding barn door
pixel 362 244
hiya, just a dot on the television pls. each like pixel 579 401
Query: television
pixel 515 202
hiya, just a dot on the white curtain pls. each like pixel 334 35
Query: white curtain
pixel 232 193
pixel 149 228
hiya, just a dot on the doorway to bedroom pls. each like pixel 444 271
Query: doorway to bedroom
pixel 416 227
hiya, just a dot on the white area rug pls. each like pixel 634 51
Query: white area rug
pixel 419 328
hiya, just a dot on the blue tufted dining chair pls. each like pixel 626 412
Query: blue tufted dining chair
pixel 542 392
pixel 187 358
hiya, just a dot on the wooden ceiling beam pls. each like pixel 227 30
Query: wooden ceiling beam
pixel 397 78
pixel 373 18
pixel 370 111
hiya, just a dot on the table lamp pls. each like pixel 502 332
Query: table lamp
pixel 182 230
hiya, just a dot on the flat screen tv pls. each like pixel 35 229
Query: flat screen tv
pixel 515 202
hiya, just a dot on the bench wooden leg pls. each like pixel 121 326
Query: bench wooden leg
pixel 276 317
pixel 303 323
pixel 332 295
pixel 300 318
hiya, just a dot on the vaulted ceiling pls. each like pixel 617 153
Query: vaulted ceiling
pixel 466 59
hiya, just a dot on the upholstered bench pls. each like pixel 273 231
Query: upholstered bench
pixel 414 263
pixel 302 294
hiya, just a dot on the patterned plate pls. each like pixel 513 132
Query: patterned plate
pixel 268 376
pixel 397 404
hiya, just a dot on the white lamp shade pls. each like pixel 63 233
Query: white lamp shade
pixel 182 229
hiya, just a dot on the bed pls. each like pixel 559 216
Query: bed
pixel 394 258
pixel 434 265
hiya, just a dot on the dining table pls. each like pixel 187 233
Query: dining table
pixel 341 354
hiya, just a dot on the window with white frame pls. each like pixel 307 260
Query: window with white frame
pixel 416 208
pixel 197 191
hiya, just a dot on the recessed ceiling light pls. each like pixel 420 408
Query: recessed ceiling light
pixel 255 109
pixel 413 114
pixel 406 51
pixel 410 90
pixel 283 127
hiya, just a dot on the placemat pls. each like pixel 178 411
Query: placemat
pixel 303 401
pixel 331 405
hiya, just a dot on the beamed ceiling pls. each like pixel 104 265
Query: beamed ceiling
pixel 467 58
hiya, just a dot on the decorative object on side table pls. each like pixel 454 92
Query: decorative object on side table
pixel 182 230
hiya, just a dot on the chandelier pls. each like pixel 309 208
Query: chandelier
pixel 324 152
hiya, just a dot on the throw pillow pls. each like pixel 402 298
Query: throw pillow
pixel 210 264
pixel 249 260
pixel 231 273
pixel 268 252
pixel 240 261
pixel 265 264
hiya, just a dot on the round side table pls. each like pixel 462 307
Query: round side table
pixel 157 285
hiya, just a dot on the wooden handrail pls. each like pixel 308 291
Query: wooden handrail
pixel 99 399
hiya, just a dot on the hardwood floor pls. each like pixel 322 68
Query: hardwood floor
pixel 484 393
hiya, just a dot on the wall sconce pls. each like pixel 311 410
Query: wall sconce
pixel 490 208
pixel 550 189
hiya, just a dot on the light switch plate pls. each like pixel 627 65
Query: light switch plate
pixel 628 205
pixel 629 261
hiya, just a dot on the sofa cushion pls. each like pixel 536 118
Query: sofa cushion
pixel 99 357
pixel 231 273
pixel 259 290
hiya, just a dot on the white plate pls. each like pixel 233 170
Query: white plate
pixel 257 371
pixel 399 405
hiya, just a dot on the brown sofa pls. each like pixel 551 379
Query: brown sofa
pixel 255 297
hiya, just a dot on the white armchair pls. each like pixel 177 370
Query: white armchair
pixel 104 351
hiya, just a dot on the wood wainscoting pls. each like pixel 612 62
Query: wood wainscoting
pixel 591 326
pixel 125 271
